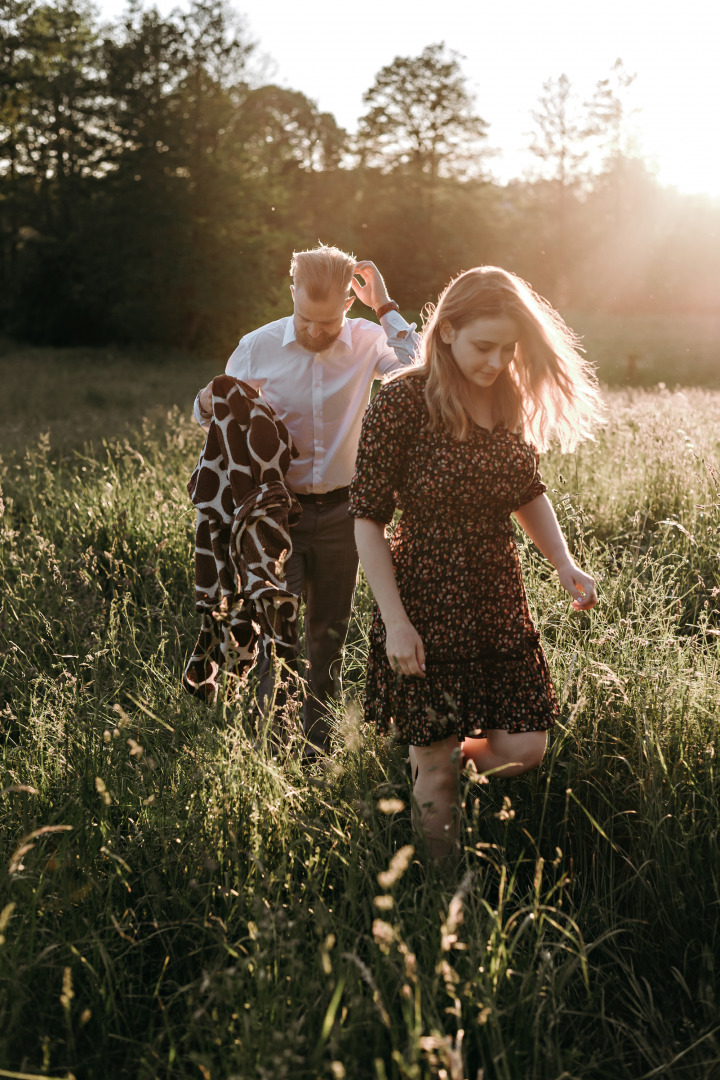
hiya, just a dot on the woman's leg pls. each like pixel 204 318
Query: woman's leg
pixel 436 775
pixel 506 754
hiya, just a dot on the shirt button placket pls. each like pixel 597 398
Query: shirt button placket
pixel 318 448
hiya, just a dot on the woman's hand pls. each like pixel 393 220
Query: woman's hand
pixel 580 586
pixel 405 649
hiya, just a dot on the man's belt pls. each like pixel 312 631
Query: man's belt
pixel 325 498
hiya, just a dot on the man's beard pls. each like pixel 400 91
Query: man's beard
pixel 315 344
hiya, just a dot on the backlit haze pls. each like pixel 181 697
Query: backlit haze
pixel 333 52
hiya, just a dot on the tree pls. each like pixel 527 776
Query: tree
pixel 53 141
pixel 282 130
pixel 180 206
pixel 419 146
pixel 421 117
pixel 562 129
pixel 51 93
pixel 609 112
pixel 576 141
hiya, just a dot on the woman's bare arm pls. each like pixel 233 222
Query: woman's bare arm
pixel 404 645
pixel 538 520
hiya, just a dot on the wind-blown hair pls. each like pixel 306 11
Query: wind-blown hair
pixel 548 390
pixel 323 271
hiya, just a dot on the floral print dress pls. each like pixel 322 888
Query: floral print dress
pixel 458 572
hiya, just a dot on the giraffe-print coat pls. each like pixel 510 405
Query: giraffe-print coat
pixel 244 516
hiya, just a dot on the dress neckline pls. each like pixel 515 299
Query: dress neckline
pixel 486 430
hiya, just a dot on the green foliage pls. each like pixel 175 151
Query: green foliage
pixel 144 184
pixel 152 189
pixel 177 901
pixel 421 117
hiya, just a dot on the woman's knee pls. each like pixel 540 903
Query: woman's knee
pixel 524 749
pixel 536 747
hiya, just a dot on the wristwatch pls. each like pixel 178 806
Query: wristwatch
pixel 391 305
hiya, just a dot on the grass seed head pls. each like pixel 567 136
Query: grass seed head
pixel 102 790
pixel 5 916
pixel 398 865
pixel 67 989
pixel 384 934
pixel 384 902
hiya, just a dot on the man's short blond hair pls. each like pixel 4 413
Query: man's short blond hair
pixel 322 271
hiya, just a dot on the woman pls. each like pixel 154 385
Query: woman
pixel 455 663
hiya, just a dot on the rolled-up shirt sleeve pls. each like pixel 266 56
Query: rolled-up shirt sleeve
pixel 400 350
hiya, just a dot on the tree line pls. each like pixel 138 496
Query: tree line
pixel 152 187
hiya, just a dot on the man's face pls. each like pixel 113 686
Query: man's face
pixel 318 322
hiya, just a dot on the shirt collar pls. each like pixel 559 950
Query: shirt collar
pixel 289 336
pixel 345 334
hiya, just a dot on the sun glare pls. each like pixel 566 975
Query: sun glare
pixel 672 102
pixel 687 163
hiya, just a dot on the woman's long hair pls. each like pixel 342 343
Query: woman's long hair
pixel 548 390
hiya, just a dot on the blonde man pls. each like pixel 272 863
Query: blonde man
pixel 315 368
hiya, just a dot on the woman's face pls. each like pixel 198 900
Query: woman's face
pixel 482 348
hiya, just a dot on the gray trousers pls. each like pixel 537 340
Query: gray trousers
pixel 323 571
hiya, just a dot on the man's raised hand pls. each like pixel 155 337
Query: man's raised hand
pixel 373 292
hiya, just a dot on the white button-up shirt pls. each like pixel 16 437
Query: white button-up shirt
pixel 321 397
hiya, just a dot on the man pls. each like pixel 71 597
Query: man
pixel 315 368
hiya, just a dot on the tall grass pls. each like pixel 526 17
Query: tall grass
pixel 643 350
pixel 178 901
pixel 80 396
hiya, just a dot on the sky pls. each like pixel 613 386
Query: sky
pixel 332 53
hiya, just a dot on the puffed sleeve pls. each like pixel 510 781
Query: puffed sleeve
pixel 389 429
pixel 536 486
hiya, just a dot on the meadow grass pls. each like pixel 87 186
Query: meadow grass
pixel 177 901
pixel 644 350
pixel 81 396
